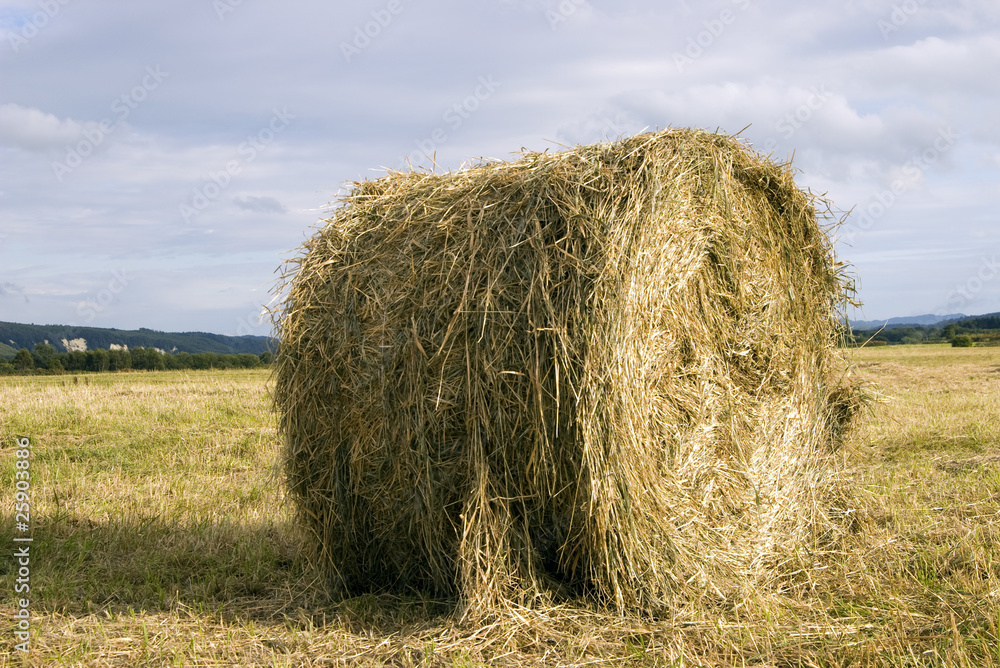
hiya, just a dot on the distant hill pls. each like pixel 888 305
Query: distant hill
pixel 65 338
pixel 909 321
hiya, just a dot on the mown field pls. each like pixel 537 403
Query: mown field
pixel 161 538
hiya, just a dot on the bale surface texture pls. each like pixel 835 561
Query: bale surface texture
pixel 609 372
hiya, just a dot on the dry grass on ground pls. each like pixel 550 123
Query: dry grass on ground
pixel 161 538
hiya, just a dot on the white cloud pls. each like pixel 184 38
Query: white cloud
pixel 809 115
pixel 935 64
pixel 33 129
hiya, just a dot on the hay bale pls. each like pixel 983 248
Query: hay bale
pixel 608 371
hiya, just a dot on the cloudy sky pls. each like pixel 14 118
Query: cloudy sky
pixel 158 161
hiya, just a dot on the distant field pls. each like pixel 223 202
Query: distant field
pixel 160 538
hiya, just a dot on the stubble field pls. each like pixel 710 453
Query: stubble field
pixel 161 537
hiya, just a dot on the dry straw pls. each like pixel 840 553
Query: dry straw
pixel 607 372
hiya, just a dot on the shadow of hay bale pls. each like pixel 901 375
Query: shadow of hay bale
pixel 610 371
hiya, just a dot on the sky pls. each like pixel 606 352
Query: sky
pixel 159 162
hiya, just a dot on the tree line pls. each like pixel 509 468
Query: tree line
pixel 984 331
pixel 20 335
pixel 44 359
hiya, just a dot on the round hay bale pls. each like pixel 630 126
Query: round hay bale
pixel 609 371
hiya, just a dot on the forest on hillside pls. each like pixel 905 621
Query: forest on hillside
pixel 14 336
pixel 983 330
pixel 44 359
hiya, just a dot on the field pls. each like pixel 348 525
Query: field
pixel 161 538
